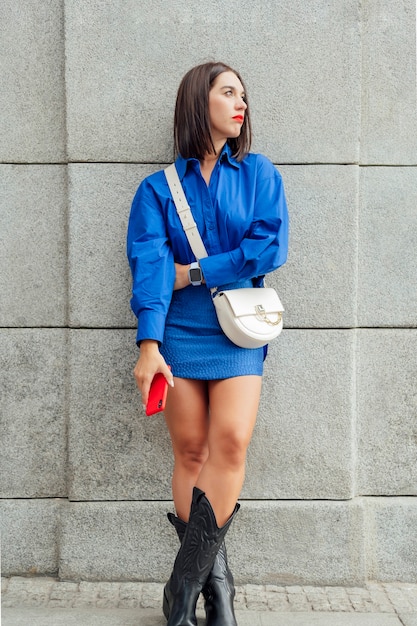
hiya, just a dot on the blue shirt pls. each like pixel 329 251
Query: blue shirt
pixel 242 218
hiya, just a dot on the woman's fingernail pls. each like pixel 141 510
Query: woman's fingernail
pixel 144 407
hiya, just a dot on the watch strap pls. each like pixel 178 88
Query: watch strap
pixel 195 266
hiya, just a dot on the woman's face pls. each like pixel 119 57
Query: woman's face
pixel 227 108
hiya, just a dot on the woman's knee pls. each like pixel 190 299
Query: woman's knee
pixel 230 449
pixel 192 455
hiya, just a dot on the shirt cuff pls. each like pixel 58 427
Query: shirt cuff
pixel 220 269
pixel 151 325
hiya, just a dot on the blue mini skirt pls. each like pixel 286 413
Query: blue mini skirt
pixel 195 346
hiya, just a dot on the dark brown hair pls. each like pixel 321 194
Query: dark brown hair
pixel 192 135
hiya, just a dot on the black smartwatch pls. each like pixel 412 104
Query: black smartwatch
pixel 195 274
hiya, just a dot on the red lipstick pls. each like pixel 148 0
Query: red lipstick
pixel 238 118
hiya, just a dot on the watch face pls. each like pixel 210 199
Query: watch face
pixel 195 275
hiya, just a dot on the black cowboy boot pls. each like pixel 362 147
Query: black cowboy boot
pixel 194 561
pixel 219 590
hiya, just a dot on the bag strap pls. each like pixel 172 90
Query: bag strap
pixel 185 215
pixel 184 212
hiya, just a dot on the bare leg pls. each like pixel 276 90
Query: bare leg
pixel 211 425
pixel 233 409
pixel 186 415
pixel 210 452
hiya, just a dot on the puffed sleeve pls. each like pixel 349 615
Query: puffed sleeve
pixel 151 263
pixel 265 247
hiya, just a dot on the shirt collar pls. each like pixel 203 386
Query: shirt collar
pixel 226 155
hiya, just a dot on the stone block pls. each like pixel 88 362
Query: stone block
pixel 115 451
pixel 298 543
pixel 317 285
pixel 389 121
pixel 99 276
pixel 33 413
pixel 323 209
pixel 32 91
pixel 386 407
pixel 304 79
pixel 33 245
pixel 302 446
pixel 303 442
pixel 29 536
pixel 270 542
pixel 387 293
pixel 391 530
pixel 303 88
pixel 123 541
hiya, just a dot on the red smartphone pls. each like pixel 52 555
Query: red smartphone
pixel 157 394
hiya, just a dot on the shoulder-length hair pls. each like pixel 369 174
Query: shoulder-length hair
pixel 192 133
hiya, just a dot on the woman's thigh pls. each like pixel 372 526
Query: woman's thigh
pixel 234 404
pixel 186 415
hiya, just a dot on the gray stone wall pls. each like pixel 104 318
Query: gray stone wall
pixel 87 94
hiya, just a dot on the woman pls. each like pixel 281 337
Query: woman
pixel 237 200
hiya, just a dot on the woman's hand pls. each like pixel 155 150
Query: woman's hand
pixel 181 276
pixel 150 362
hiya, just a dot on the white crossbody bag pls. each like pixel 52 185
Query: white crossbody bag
pixel 249 317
